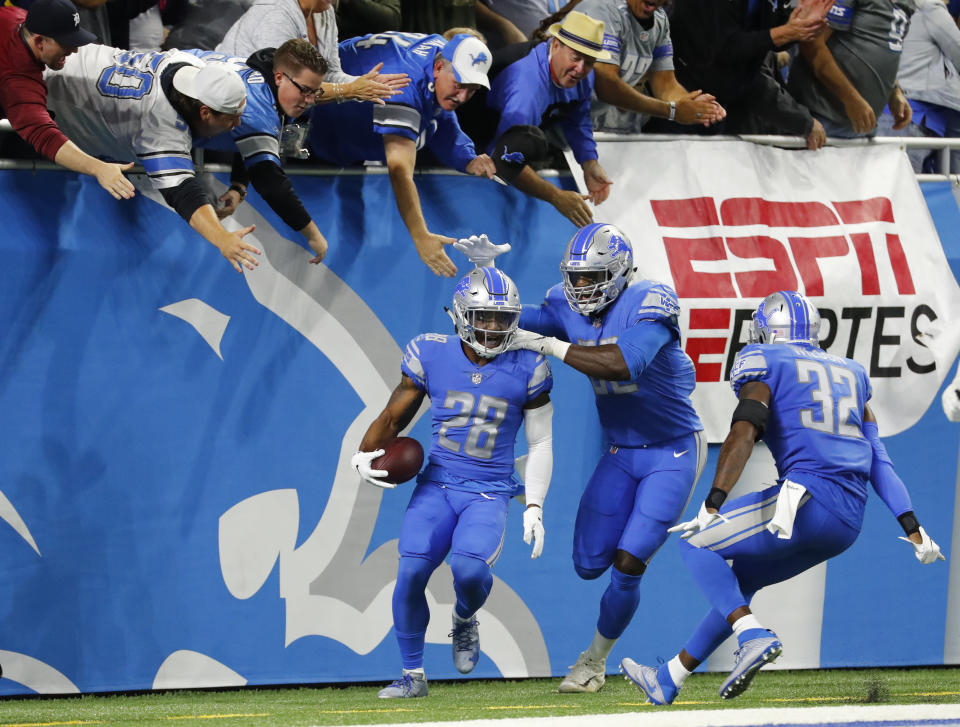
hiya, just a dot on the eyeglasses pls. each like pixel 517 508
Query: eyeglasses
pixel 305 91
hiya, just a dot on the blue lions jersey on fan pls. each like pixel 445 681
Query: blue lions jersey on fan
pixel 476 410
pixel 257 138
pixel 654 405
pixel 816 415
pixel 352 133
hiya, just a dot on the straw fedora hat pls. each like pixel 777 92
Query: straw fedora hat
pixel 582 33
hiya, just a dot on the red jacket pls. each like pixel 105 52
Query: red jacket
pixel 23 94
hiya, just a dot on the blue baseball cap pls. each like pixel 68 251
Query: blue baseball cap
pixel 470 59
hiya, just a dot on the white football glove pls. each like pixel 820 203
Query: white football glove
pixel 531 341
pixel 702 521
pixel 361 463
pixel 479 250
pixel 927 551
pixel 533 529
pixel 951 400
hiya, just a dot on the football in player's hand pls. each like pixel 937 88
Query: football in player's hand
pixel 402 458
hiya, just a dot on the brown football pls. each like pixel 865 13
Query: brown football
pixel 402 458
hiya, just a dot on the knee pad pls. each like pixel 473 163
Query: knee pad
pixel 628 564
pixel 588 574
pixel 516 148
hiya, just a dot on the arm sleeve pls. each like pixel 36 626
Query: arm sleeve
pixel 640 343
pixel 325 24
pixel 186 198
pixel 450 144
pixel 944 32
pixel 884 479
pixel 579 129
pixel 516 98
pixel 24 99
pixel 274 186
pixel 238 171
pixel 734 43
pixel 538 425
pixel 539 319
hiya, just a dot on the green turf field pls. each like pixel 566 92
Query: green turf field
pixel 473 699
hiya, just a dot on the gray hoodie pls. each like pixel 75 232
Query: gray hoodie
pixel 271 23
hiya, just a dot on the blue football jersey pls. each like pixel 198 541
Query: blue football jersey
pixel 816 419
pixel 352 133
pixel 654 406
pixel 476 410
pixel 257 138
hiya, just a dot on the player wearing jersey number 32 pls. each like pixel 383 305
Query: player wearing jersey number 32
pixel 810 407
pixel 479 393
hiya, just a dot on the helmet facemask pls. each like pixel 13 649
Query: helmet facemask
pixel 590 297
pixel 488 331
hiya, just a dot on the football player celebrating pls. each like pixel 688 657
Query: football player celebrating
pixel 627 340
pixel 810 407
pixel 479 393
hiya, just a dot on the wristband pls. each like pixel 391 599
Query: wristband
pixel 673 111
pixel 908 522
pixel 716 498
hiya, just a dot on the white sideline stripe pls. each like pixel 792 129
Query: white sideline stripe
pixel 721 718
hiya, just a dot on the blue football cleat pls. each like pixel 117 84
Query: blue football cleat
pixel 751 655
pixel 409 685
pixel 657 684
pixel 466 645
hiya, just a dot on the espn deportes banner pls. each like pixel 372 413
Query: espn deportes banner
pixel 727 223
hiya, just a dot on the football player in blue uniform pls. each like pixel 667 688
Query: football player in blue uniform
pixel 479 393
pixel 443 75
pixel 282 83
pixel 810 407
pixel 627 340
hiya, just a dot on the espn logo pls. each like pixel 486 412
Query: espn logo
pixel 795 261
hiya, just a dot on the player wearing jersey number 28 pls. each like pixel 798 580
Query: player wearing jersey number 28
pixel 810 407
pixel 479 393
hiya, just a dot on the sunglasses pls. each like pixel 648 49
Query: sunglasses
pixel 305 91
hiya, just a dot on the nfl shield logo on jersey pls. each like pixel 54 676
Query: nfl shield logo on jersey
pixel 476 378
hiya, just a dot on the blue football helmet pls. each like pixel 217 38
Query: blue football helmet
pixel 599 253
pixel 486 310
pixel 785 317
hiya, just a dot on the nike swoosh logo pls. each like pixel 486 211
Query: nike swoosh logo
pixel 680 454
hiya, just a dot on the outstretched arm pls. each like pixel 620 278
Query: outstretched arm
pixel 619 361
pixel 749 422
pixel 893 492
pixel 401 155
pixel 825 68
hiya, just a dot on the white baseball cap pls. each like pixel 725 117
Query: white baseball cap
pixel 214 85
pixel 470 59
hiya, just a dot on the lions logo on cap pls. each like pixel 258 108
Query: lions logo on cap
pixel 476 60
pixel 76 20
